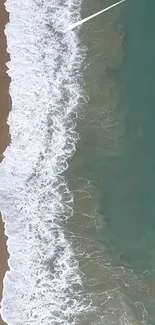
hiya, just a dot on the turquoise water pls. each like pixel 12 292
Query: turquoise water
pixel 116 157
pixel 129 182
pixel 126 175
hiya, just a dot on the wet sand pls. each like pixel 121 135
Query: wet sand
pixel 5 104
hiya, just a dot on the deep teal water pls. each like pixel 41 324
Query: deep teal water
pixel 129 181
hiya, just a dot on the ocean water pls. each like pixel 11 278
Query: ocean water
pixel 114 165
pixel 70 177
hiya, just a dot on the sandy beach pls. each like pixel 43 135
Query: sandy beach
pixel 5 104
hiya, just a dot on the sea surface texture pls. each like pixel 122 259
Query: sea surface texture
pixel 77 182
pixel 35 199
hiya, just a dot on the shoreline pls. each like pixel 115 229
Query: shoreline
pixel 5 106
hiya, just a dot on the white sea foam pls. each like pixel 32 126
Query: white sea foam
pixel 34 197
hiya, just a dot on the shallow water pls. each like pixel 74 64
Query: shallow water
pixel 115 157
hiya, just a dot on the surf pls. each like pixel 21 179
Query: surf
pixel 35 199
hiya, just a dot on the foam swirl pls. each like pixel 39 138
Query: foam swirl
pixel 35 199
